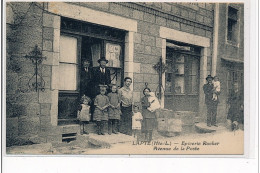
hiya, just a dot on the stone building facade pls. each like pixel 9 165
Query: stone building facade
pixel 229 51
pixel 148 32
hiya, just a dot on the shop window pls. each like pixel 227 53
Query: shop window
pixel 235 75
pixel 68 67
pixel 182 77
pixel 232 26
pixel 182 73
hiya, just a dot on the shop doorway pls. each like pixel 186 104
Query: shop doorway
pixel 80 41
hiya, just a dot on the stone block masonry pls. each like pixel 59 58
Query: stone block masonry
pixel 29 112
pixel 34 113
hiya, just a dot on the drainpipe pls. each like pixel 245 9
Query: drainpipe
pixel 215 40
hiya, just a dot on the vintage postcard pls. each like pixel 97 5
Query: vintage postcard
pixel 132 78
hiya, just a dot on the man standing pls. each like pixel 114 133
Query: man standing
pixel 210 102
pixel 126 98
pixel 85 79
pixel 101 75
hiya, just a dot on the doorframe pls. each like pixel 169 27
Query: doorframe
pixel 93 16
pixel 203 42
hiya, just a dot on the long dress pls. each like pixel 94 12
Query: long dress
pixel 101 101
pixel 149 121
pixel 114 113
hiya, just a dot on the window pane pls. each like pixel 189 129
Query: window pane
pixel 68 49
pixel 179 69
pixel 68 76
pixel 96 53
pixel 168 79
pixel 193 84
pixel 113 54
pixel 179 85
pixel 193 75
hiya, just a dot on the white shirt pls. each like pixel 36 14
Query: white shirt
pixel 103 70
pixel 136 123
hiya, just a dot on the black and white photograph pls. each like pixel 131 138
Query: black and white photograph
pixel 124 78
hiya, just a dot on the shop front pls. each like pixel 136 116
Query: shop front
pixel 80 42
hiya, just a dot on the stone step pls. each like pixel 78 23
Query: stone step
pixel 203 128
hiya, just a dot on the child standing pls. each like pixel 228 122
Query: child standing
pixel 149 120
pixel 114 111
pixel 84 114
pixel 136 122
pixel 216 88
pixel 101 110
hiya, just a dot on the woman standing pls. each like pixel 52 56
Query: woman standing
pixel 126 98
pixel 149 118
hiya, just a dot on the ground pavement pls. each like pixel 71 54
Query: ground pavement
pixel 219 141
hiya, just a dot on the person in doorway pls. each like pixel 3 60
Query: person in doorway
pixel 210 103
pixel 126 99
pixel 114 111
pixel 101 75
pixel 101 110
pixel 86 84
pixel 85 79
pixel 149 118
pixel 236 108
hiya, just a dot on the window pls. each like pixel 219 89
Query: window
pixel 68 67
pixel 182 73
pixel 235 75
pixel 232 25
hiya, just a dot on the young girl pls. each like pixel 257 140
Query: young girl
pixel 216 88
pixel 101 110
pixel 84 114
pixel 148 117
pixel 136 122
pixel 114 111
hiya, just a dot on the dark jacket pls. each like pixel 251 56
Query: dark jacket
pixel 208 91
pixel 145 112
pixel 86 82
pixel 235 112
pixel 101 78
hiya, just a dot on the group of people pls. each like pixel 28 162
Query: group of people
pixel 235 101
pixel 113 106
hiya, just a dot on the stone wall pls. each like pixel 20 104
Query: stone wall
pixel 33 115
pixel 147 41
pixel 227 50
pixel 28 115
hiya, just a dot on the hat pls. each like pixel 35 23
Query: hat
pixel 209 76
pixel 102 59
